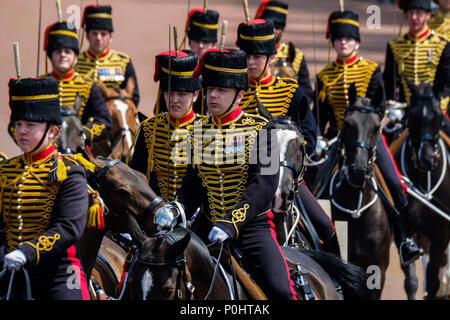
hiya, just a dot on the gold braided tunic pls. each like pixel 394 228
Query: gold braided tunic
pixel 163 152
pixel 223 169
pixel 44 203
pixel 334 82
pixel 440 23
pixel 420 58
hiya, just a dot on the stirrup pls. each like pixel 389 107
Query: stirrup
pixel 404 262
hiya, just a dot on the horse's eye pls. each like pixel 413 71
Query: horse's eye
pixel 122 192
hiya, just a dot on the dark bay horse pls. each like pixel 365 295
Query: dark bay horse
pixel 178 265
pixel 352 191
pixel 124 122
pixel 423 159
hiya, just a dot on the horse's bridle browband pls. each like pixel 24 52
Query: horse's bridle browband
pixel 94 179
pixel 69 114
pixel 288 164
pixel 118 97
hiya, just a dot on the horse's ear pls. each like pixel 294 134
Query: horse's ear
pixel 103 89
pixel 130 87
pixel 262 110
pixel 352 94
pixel 412 87
pixel 378 97
pixel 291 52
pixel 78 103
pixel 179 246
pixel 142 117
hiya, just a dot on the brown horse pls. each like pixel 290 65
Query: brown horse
pixel 125 193
pixel 353 191
pixel 123 113
pixel 178 265
pixel 424 160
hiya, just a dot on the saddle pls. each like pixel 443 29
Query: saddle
pixel 253 291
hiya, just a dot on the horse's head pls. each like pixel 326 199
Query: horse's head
pixel 292 156
pixel 283 67
pixel 424 122
pixel 126 191
pixel 70 138
pixel 160 271
pixel 358 138
pixel 123 113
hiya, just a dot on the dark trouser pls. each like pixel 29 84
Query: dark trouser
pixel 391 175
pixel 264 260
pixel 262 256
pixel 319 218
pixel 58 280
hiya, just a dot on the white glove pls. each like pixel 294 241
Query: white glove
pixel 14 260
pixel 166 217
pixel 217 234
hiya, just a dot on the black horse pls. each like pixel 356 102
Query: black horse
pixel 423 159
pixel 353 190
pixel 178 265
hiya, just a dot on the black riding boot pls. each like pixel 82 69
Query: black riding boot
pixel 407 248
pixel 332 245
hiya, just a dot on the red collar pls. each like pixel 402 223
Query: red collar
pixel 420 36
pixel 347 61
pixel 100 56
pixel 233 115
pixel 67 76
pixel 189 116
pixel 262 82
pixel 41 155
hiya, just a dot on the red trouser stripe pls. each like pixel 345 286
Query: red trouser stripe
pixel 75 262
pixel 399 176
pixel 274 238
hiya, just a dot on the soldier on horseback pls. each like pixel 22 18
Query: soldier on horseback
pixel 61 46
pixel 277 12
pixel 201 30
pixel 334 82
pixel 99 62
pixel 440 21
pixel 44 198
pixel 281 96
pixel 233 191
pixel 418 50
pixel 162 147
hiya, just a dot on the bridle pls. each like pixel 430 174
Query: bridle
pixel 66 114
pixel 94 181
pixel 356 213
pixel 183 277
pixel 298 174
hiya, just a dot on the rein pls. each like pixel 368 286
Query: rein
pixel 11 281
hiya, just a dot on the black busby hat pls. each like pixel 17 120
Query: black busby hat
pixel 343 24
pixel 34 100
pixel 99 18
pixel 181 70
pixel 202 26
pixel 257 37
pixel 415 4
pixel 226 69
pixel 273 10
pixel 61 35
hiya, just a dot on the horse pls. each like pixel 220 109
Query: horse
pixel 423 161
pixel 292 165
pixel 123 113
pixel 70 135
pixel 283 67
pixel 177 265
pixel 354 186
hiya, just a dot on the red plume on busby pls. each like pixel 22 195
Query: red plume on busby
pixel 261 8
pixel 47 30
pixel 327 33
pixel 83 19
pixel 400 4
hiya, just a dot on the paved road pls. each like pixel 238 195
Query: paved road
pixel 142 28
